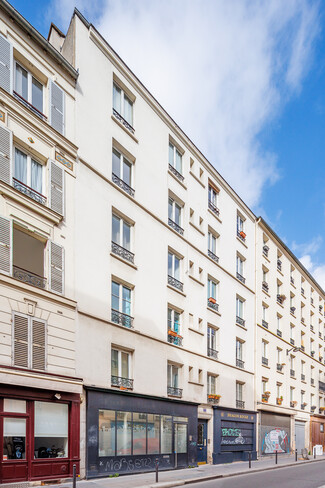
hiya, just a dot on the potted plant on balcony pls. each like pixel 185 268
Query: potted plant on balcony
pixel 242 234
pixel 322 409
pixel 214 397
pixel 305 404
pixel 212 300
pixel 172 333
pixel 265 396
pixel 279 400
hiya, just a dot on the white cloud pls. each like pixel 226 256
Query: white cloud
pixel 317 270
pixel 310 247
pixel 222 69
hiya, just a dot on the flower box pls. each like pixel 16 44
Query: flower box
pixel 279 401
pixel 214 397
pixel 265 398
pixel 242 234
pixel 212 300
pixel 322 409
pixel 172 333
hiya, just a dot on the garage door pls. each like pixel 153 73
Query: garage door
pixel 300 435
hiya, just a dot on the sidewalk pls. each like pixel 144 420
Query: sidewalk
pixel 186 476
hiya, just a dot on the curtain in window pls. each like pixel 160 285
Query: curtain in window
pixel 36 176
pixel 117 98
pixel 20 166
pixel 21 82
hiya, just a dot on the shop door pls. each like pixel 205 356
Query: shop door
pixel 180 445
pixel 14 449
pixel 202 451
pixel 300 435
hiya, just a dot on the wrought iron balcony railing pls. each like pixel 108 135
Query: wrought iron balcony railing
pixel 292 373
pixel 123 383
pixel 302 348
pixel 266 250
pixel 312 381
pixel 175 283
pixel 265 361
pixel 320 335
pixel 265 324
pixel 303 377
pixel 175 392
pixel 175 226
pixel 279 264
pixel 121 318
pixel 214 209
pixel 28 277
pixel 29 105
pixel 240 363
pixel 303 406
pixel 241 235
pixel 123 121
pixel 240 277
pixel 312 328
pixel 240 404
pixel 312 301
pixel 292 280
pixel 292 342
pixel 122 185
pixel 26 190
pixel 212 353
pixel 213 398
pixel 321 386
pixel 178 175
pixel 213 256
pixel 213 305
pixel 292 310
pixel 122 252
pixel 240 321
pixel 279 299
pixel 302 291
pixel 279 367
pixel 279 333
pixel 265 286
pixel 174 338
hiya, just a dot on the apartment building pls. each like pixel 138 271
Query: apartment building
pixel 39 389
pixel 289 349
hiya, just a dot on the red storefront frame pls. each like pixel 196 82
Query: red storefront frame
pixel 31 469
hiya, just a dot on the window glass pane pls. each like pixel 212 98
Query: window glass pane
pixel 114 362
pixel 116 229
pixel 177 268
pixel 170 264
pixel 14 438
pixel 123 428
pixel 20 166
pixel 178 161
pixel 174 377
pixel 125 364
pixel 170 314
pixel 11 405
pixel 37 95
pixel 170 209
pixel 176 322
pixel 181 438
pixel 116 163
pixel 126 172
pixel 139 433
pixel 117 98
pixel 51 430
pixel 21 82
pixel 153 433
pixel 126 235
pixel 115 295
pixel 177 214
pixel 106 427
pixel 166 434
pixel 171 154
pixel 128 110
pixel 36 176
pixel 126 300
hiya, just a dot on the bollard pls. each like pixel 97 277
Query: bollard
pixel 157 463
pixel 74 480
pixel 276 457
pixel 249 459
pixel 296 455
pixel 314 452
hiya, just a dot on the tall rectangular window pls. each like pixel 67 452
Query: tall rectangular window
pixel 121 232
pixel 240 308
pixel 212 243
pixel 240 265
pixel 121 304
pixel 106 428
pixel 174 264
pixel 174 212
pixel 239 391
pixel 212 384
pixel 172 376
pixel 175 158
pixel 29 342
pixel 212 338
pixel 51 430
pixel 123 433
pixel 122 104
pixel 29 172
pixel 174 320
pixel 121 167
pixel 28 88
pixel 212 289
pixel 120 363
pixel 239 350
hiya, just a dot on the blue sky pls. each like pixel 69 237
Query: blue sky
pixel 245 79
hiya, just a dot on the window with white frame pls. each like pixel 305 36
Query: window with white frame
pixel 121 232
pixel 28 87
pixel 279 322
pixel 174 320
pixel 292 394
pixel 213 199
pixel 212 341
pixel 174 265
pixel 279 356
pixel 264 313
pixel 239 307
pixel 212 289
pixel 28 171
pixel 175 157
pixel 212 246
pixel 122 169
pixel 302 397
pixel 278 390
pixel 174 211
pixel 240 266
pixel 264 385
pixel 212 384
pixel 239 391
pixel 239 349
pixel 122 104
pixel 121 304
pixel 240 224
pixel 120 363
pixel 172 376
pixel 264 349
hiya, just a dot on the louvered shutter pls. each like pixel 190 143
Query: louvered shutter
pixel 20 341
pixel 38 344
pixel 56 268
pixel 5 245
pixel 57 107
pixel 5 64
pixel 57 188
pixel 5 154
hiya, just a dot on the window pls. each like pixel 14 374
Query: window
pixel 212 246
pixel 212 342
pixel 122 105
pixel 213 200
pixel 29 172
pixel 174 264
pixel 278 323
pixel 212 289
pixel 264 349
pixel 175 158
pixel 120 364
pixel 292 394
pixel 28 88
pixel 240 311
pixel 212 384
pixel 173 380
pixel 239 353
pixel 122 172
pixel 121 232
pixel 51 430
pixel 279 357
pixel 264 385
pixel 174 327
pixel 239 391
pixel 29 342
pixel 240 268
pixel 14 438
pixel 278 390
pixel 174 215
pixel 240 228
pixel 121 304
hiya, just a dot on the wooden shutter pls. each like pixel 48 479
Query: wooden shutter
pixel 57 107
pixel 57 188
pixel 38 344
pixel 5 64
pixel 5 245
pixel 56 268
pixel 5 154
pixel 20 332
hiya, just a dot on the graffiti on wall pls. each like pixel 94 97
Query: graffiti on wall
pixel 275 440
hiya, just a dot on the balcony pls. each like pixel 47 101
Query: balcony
pixel 212 353
pixel 176 173
pixel 213 304
pixel 279 333
pixel 292 342
pixel 320 335
pixel 213 208
pixel 265 286
pixel 28 277
pixel 265 324
pixel 313 408
pixel 265 361
pixel 312 353
pixel 121 319
pixel 279 367
pixel 311 328
pixel 174 338
pixel 303 377
pixel 29 106
pixel 124 186
pixel 241 235
pixel 266 250
pixel 265 397
pixel 26 190
pixel 303 406
pixel 293 403
pixel 122 383
pixel 28 259
pixel 292 280
pixel 214 399
pixel 240 321
pixel 303 320
pixel 292 373
pixel 240 363
pixel 280 299
pixel 312 301
pixel 279 264
pixel 321 386
pixel 174 392
pixel 312 381
pixel 240 277
pixel 302 291
pixel 175 283
pixel 292 310
pixel 302 348
pixel 122 252
pixel 123 121
pixel 213 256
pixel 240 404
pixel 175 226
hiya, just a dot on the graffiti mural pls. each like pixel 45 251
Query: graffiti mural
pixel 274 440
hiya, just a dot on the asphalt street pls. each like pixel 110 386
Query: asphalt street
pixel 303 476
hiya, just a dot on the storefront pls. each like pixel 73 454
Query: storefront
pixel 126 433
pixel 39 432
pixel 275 433
pixel 234 435
pixel 317 434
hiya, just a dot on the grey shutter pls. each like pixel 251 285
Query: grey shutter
pixel 56 268
pixel 38 344
pixel 57 188
pixel 5 245
pixel 5 154
pixel 57 107
pixel 20 332
pixel 5 64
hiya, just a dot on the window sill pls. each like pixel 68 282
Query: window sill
pixel 177 291
pixel 195 383
pixel 125 261
pixel 280 304
pixel 124 128
pixel 196 331
pixel 242 326
pixel 178 181
pixel 196 228
pixel 264 366
pixel 242 242
pixel 292 315
pixel 266 293
pixel 214 311
pixel 214 215
pixel 280 372
pixel 280 272
pixel 267 259
pixel 197 179
pixel 196 280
